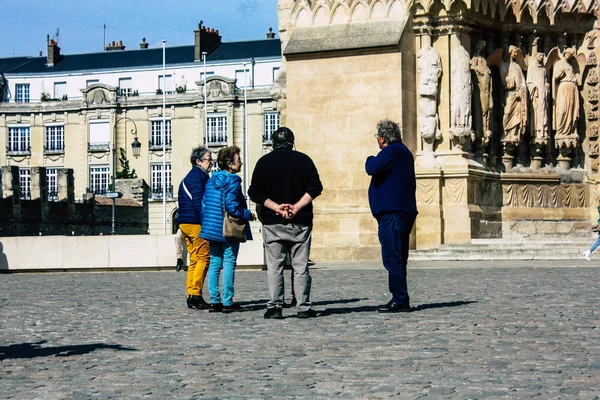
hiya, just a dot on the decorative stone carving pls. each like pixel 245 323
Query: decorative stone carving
pixel 217 87
pixel 429 66
pixel 98 94
pixel 461 90
pixel 482 99
pixel 593 149
pixel 593 95
pixel 545 196
pixel 538 88
pixel 515 108
pixel 592 112
pixel 592 77
pixel 428 191
pixel 592 131
pixel 455 191
pixel 591 60
pixel 566 105
pixel 594 162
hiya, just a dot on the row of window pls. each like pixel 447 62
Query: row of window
pixel 126 88
pixel 99 181
pixel 19 137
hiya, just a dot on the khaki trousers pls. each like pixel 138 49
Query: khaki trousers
pixel 199 252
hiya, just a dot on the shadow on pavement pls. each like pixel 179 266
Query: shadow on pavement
pixel 345 310
pixel 420 307
pixel 340 301
pixel 441 305
pixel 31 350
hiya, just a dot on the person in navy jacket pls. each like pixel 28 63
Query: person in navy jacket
pixel 224 192
pixel 191 191
pixel 393 204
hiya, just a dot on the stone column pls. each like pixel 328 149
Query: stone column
pixel 429 223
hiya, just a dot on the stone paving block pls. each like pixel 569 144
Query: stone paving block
pixel 481 333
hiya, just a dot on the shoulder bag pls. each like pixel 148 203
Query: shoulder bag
pixel 234 229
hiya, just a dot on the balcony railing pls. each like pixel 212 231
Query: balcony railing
pixel 97 191
pixel 156 192
pixel 99 146
pixel 52 195
pixel 54 149
pixel 26 194
pixel 18 151
pixel 267 139
pixel 157 144
pixel 218 141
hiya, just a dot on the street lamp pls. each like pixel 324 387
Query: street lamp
pixel 135 147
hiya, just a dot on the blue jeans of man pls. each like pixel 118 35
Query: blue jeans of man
pixel 394 231
pixel 223 256
pixel 595 244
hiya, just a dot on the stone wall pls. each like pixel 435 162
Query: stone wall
pixel 93 216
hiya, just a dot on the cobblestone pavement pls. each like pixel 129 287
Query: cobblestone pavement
pixel 475 333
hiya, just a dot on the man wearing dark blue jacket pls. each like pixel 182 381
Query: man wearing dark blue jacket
pixel 393 204
pixel 191 191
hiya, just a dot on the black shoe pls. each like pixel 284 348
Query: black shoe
pixel 393 307
pixel 310 262
pixel 179 264
pixel 310 313
pixel 274 313
pixel 216 307
pixel 197 302
pixel 232 308
pixel 287 305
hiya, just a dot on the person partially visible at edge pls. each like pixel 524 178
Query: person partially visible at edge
pixel 224 190
pixel 191 191
pixel 284 183
pixel 588 253
pixel 393 203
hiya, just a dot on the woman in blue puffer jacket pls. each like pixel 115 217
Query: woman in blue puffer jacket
pixel 223 189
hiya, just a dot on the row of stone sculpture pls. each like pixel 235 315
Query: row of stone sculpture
pixel 526 100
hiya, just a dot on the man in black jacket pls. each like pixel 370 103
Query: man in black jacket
pixel 285 182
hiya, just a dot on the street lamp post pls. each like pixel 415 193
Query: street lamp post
pixel 135 147
pixel 163 175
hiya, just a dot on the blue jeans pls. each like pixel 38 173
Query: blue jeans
pixel 394 231
pixel 596 244
pixel 223 256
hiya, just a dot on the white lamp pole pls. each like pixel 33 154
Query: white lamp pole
pixel 164 149
pixel 205 103
pixel 245 131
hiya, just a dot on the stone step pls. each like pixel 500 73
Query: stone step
pixel 508 249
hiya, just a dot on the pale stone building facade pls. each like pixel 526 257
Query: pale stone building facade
pixel 78 111
pixel 492 158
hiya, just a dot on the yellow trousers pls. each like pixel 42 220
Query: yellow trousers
pixel 199 253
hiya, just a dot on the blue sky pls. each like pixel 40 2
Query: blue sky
pixel 80 22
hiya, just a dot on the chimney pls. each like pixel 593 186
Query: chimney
pixel 143 45
pixel 115 46
pixel 53 52
pixel 270 34
pixel 205 40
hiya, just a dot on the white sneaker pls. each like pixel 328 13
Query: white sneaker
pixel 587 254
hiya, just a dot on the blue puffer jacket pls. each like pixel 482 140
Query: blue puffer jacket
pixel 190 201
pixel 222 183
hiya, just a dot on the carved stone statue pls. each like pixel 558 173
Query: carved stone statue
pixel 538 87
pixel 566 105
pixel 514 121
pixel 429 66
pixel 482 100
pixel 461 90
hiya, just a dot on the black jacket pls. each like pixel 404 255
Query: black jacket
pixel 284 176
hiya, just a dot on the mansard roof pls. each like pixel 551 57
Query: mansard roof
pixel 139 58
